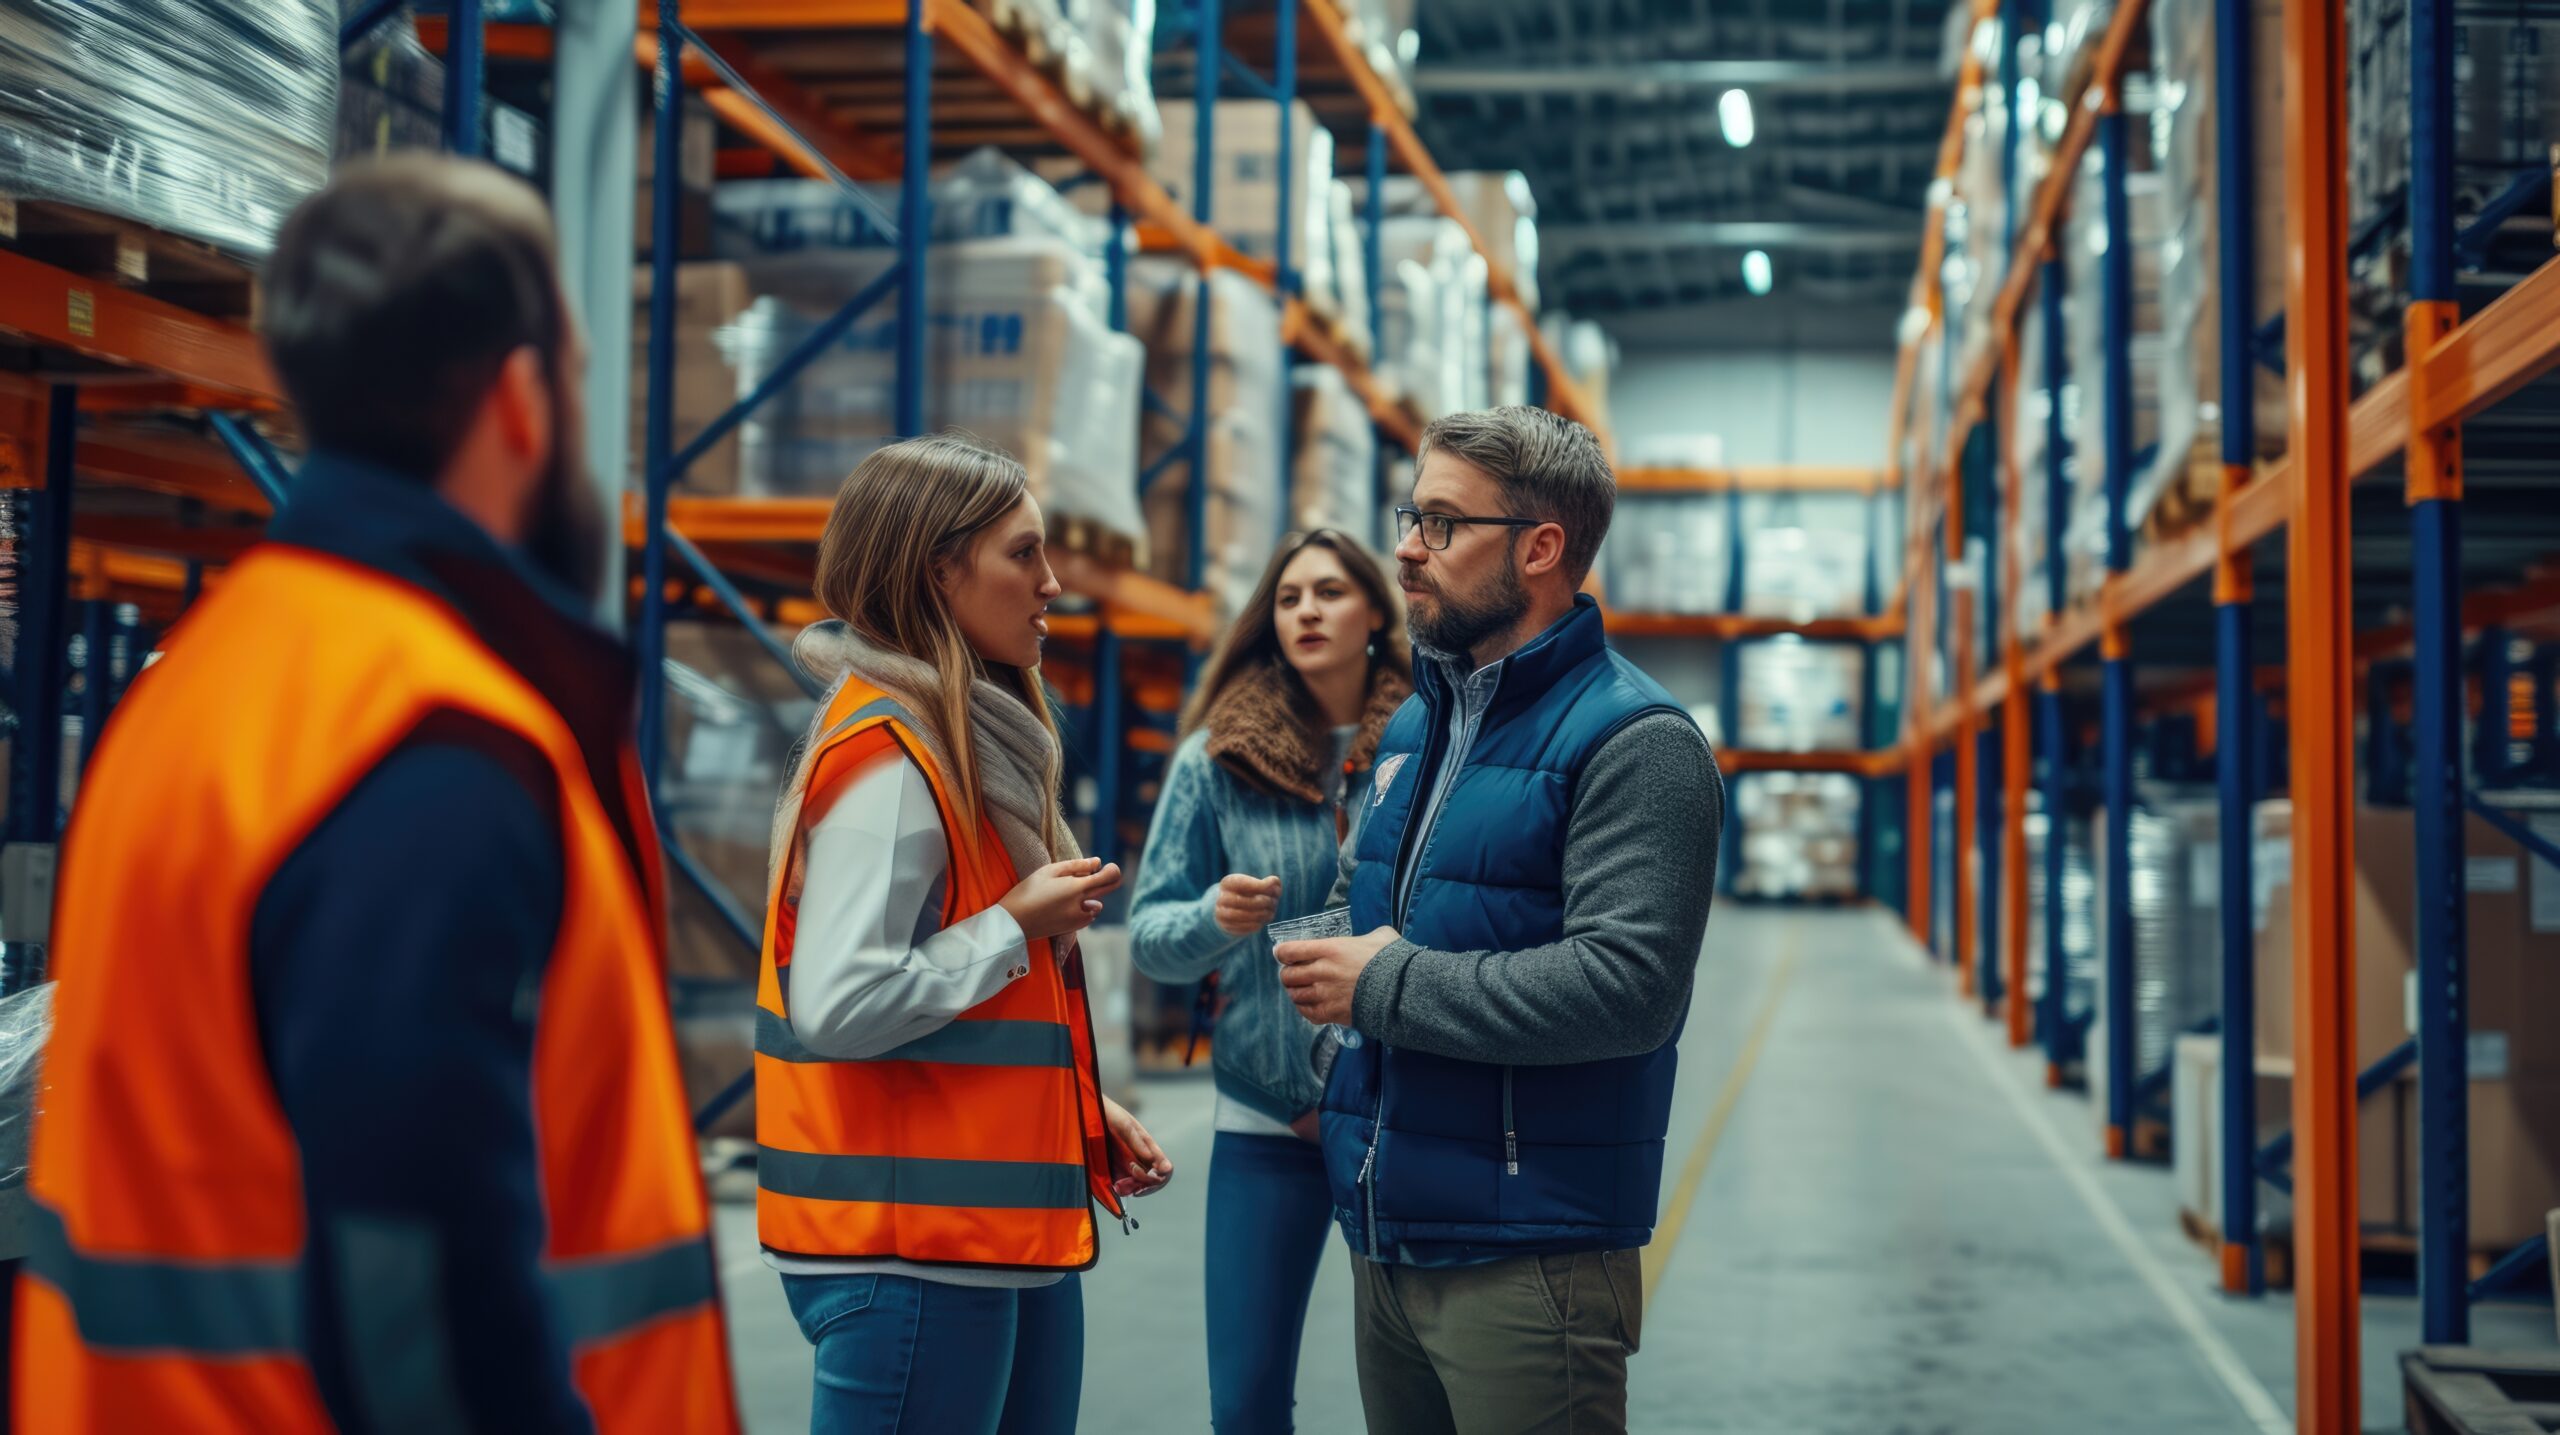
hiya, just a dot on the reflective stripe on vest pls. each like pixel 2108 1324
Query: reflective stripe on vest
pixel 963 1043
pixel 236 1308
pixel 979 1143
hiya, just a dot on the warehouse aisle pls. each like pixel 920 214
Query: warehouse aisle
pixel 1882 1242
pixel 1898 1231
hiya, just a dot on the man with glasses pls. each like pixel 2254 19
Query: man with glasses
pixel 1532 871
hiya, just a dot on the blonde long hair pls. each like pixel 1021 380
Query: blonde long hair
pixel 905 512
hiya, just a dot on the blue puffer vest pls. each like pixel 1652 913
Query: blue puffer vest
pixel 1436 1161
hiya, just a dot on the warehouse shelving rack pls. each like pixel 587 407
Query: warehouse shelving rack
pixel 1871 630
pixel 125 350
pixel 2458 370
pixel 757 59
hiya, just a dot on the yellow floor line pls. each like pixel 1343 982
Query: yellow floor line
pixel 1666 1237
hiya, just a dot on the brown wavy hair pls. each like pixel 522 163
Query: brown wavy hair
pixel 1253 640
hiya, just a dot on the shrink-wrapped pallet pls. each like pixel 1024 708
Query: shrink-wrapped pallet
pixel 207 118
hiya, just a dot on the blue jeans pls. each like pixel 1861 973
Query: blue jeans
pixel 1270 1215
pixel 901 1356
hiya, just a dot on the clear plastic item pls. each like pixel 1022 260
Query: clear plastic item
pixel 26 1020
pixel 1324 926
pixel 207 118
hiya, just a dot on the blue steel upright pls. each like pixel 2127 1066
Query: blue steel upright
pixel 649 643
pixel 1105 715
pixel 2436 786
pixel 1373 254
pixel 915 223
pixel 2115 893
pixel 464 46
pixel 2235 747
pixel 1286 279
pixel 2053 1016
pixel 42 672
pixel 1208 60
pixel 2057 437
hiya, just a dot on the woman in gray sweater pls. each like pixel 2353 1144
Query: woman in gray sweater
pixel 1276 752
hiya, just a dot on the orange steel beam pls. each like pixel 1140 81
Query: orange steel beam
pixel 820 135
pixel 134 533
pixel 499 40
pixel 2322 697
pixel 2504 347
pixel 786 14
pixel 56 307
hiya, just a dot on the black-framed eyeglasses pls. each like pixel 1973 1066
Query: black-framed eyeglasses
pixel 1438 528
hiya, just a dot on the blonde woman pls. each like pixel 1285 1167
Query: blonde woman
pixel 932 1137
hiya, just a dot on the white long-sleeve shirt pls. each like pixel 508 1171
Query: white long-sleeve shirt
pixel 872 966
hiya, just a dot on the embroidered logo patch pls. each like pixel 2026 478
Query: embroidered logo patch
pixel 1386 778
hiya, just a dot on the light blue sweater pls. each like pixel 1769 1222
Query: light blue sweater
pixel 1209 823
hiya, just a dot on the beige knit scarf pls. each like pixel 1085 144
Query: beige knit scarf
pixel 1013 747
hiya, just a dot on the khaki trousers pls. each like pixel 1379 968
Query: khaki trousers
pixel 1534 1345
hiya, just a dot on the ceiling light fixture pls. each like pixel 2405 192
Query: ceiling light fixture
pixel 1734 110
pixel 1755 272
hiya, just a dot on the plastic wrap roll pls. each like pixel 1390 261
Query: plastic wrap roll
pixel 201 117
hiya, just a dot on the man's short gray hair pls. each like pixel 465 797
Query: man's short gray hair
pixel 1547 466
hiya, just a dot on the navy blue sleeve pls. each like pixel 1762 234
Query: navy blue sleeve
pixel 397 957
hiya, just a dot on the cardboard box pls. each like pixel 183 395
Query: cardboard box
pixel 2515 1159
pixel 2513 967
pixel 710 295
pixel 697 140
pixel 2513 977
pixel 1244 190
pixel 2386 1186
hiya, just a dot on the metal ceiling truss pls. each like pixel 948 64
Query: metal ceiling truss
pixel 1609 106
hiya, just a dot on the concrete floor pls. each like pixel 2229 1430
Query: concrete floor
pixel 1899 1230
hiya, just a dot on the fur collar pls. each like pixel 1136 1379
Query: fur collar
pixel 1264 729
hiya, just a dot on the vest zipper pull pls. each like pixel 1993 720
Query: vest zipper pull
pixel 1128 1224
pixel 1511 1152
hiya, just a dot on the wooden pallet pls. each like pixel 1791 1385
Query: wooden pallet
pixel 2456 1390
pixel 2382 1255
pixel 112 250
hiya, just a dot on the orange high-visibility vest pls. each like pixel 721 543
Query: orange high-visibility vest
pixel 163 1291
pixel 980 1144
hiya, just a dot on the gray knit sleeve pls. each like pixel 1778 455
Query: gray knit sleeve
pixel 1639 873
